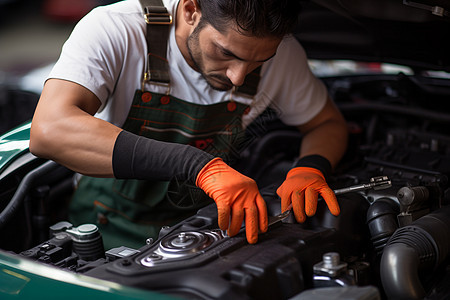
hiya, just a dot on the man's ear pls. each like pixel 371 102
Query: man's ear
pixel 191 11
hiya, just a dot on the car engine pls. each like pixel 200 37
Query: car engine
pixel 389 242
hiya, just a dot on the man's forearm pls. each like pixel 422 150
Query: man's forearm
pixel 328 140
pixel 83 144
pixel 325 135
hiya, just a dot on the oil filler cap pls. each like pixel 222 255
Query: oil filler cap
pixel 87 242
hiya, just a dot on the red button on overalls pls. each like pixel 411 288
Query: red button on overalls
pixel 231 106
pixel 165 100
pixel 146 97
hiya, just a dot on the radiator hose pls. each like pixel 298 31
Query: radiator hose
pixel 31 180
pixel 413 250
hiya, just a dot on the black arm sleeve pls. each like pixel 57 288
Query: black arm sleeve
pixel 138 157
pixel 315 161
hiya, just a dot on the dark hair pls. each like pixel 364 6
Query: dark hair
pixel 253 17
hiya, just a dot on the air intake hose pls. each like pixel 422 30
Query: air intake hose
pixel 419 247
pixel 382 222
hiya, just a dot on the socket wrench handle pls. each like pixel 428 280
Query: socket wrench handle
pixel 376 183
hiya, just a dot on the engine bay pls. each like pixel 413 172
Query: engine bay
pixel 386 243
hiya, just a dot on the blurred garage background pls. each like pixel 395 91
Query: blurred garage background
pixel 32 33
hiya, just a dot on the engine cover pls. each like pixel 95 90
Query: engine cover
pixel 206 264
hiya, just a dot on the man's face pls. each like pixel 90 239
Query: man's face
pixel 225 59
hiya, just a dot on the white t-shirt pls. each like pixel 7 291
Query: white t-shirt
pixel 107 52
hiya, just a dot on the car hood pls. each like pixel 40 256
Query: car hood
pixel 412 33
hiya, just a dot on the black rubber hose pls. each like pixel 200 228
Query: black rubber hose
pixel 399 273
pixel 28 182
pixel 382 222
pixel 417 248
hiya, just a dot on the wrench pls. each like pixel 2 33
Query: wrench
pixel 376 183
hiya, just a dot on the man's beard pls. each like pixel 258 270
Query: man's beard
pixel 193 46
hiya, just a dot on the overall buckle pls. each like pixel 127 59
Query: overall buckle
pixel 147 79
pixel 155 15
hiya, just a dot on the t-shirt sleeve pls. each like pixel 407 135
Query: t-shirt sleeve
pixel 290 87
pixel 91 55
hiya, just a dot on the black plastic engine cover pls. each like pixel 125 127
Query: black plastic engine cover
pixel 279 266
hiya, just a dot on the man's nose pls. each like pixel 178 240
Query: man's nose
pixel 237 72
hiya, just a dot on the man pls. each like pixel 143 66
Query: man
pixel 98 116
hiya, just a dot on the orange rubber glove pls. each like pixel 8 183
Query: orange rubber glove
pixel 301 188
pixel 235 193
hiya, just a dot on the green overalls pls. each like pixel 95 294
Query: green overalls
pixel 128 212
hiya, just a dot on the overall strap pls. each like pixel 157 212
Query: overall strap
pixel 158 25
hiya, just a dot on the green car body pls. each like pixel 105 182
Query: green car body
pixel 24 279
pixel 21 278
pixel 13 144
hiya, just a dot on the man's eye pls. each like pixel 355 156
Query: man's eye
pixel 227 54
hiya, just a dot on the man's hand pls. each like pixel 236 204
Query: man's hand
pixel 236 194
pixel 301 188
